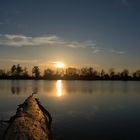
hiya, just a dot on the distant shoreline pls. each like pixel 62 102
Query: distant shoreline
pixel 17 72
pixel 70 79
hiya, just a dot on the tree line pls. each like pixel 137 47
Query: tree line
pixel 86 73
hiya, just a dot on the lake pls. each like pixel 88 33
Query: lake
pixel 99 110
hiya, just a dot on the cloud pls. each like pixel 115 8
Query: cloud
pixel 22 41
pixel 96 51
pixel 23 61
pixel 19 60
pixel 53 40
pixel 116 52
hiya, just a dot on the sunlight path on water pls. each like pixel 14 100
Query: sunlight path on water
pixel 59 88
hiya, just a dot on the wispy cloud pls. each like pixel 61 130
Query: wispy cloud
pixel 96 51
pixel 23 61
pixel 22 41
pixel 53 40
pixel 116 52
pixel 19 60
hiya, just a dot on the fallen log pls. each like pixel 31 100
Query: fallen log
pixel 31 122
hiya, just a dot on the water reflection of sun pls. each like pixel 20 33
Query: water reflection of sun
pixel 59 88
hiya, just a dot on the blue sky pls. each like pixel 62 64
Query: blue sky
pixel 99 33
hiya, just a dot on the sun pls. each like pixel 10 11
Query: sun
pixel 59 65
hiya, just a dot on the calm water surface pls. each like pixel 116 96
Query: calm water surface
pixel 99 110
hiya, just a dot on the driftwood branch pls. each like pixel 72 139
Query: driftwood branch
pixel 31 122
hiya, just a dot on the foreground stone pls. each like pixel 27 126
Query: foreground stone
pixel 31 122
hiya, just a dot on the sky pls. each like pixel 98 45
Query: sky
pixel 98 33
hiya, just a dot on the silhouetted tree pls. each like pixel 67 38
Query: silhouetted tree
pixel 102 74
pixel 95 75
pixel 36 72
pixel 16 71
pixel 48 73
pixel 13 70
pixel 90 71
pixel 71 71
pixel 125 74
pixel 8 73
pixel 112 73
pixel 136 75
pixel 19 70
pixel 86 73
pixel 83 71
pixel 2 74
pixel 25 73
pixel 72 74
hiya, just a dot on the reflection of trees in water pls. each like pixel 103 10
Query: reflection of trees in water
pixel 35 86
pixel 125 87
pixel 18 86
pixel 71 87
pixel 111 87
pixel 97 87
pixel 48 86
pixel 75 88
pixel 15 87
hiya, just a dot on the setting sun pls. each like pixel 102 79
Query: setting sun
pixel 59 65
